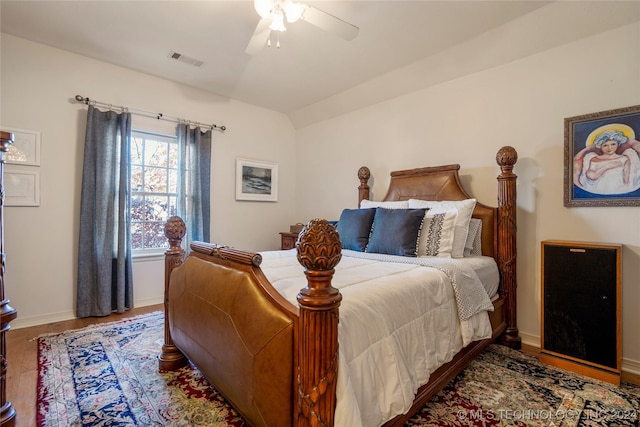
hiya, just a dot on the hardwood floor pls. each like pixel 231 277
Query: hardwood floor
pixel 22 355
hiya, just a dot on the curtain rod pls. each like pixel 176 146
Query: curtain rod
pixel 158 116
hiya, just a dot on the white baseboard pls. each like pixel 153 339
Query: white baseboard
pixel 25 322
pixel 631 366
pixel 529 339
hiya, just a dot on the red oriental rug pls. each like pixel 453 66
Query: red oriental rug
pixel 107 375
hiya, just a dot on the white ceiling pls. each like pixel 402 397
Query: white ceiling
pixel 402 45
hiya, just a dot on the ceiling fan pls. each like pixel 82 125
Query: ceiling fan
pixel 273 13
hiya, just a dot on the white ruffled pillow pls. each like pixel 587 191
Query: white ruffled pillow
pixel 461 228
pixel 402 204
pixel 436 236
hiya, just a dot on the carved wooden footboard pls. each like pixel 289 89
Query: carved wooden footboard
pixel 301 391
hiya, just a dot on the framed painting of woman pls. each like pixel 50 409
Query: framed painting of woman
pixel 602 158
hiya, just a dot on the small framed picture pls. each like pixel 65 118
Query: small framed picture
pixel 25 149
pixel 602 158
pixel 256 180
pixel 22 185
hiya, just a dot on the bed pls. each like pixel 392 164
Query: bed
pixel 267 333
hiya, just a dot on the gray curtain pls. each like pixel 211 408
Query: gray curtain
pixel 104 252
pixel 194 183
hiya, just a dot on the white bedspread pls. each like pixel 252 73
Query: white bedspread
pixel 398 323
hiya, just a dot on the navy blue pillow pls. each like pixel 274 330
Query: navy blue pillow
pixel 396 231
pixel 354 228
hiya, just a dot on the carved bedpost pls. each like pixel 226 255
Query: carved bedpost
pixel 319 251
pixel 171 358
pixel 507 158
pixel 363 190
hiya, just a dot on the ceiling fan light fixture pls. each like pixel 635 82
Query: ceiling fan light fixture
pixel 293 11
pixel 273 12
pixel 264 7
pixel 277 21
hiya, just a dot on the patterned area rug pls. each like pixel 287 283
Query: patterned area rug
pixel 107 375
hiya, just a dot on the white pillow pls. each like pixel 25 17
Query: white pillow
pixel 436 236
pixel 465 210
pixel 402 204
pixel 473 245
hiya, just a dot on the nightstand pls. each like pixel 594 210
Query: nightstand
pixel 288 240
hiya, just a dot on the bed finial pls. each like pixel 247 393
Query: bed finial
pixel 174 231
pixel 319 251
pixel 507 157
pixel 363 190
pixel 319 246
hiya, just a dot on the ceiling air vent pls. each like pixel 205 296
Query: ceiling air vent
pixel 182 58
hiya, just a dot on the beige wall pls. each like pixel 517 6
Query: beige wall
pixel 38 83
pixel 522 103
pixel 465 121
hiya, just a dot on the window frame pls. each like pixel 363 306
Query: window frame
pixel 161 137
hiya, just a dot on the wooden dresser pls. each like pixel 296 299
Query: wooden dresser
pixel 7 313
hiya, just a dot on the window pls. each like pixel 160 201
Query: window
pixel 154 177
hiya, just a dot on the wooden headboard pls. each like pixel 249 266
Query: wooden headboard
pixel 442 183
pixel 498 223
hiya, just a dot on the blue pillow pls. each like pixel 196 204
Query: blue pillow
pixel 396 231
pixel 354 228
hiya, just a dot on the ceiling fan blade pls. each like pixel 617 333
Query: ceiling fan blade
pixel 260 36
pixel 330 23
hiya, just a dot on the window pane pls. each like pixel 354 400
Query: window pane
pixel 155 208
pixel 155 180
pixel 137 208
pixel 173 181
pixel 156 153
pixel 154 235
pixel 136 150
pixel 136 178
pixel 173 156
pixel 173 210
pixel 136 236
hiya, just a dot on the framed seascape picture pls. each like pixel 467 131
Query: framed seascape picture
pixel 256 180
pixel 602 158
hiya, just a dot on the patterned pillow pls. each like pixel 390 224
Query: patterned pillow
pixel 436 236
pixel 396 231
pixel 465 210
pixel 354 228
